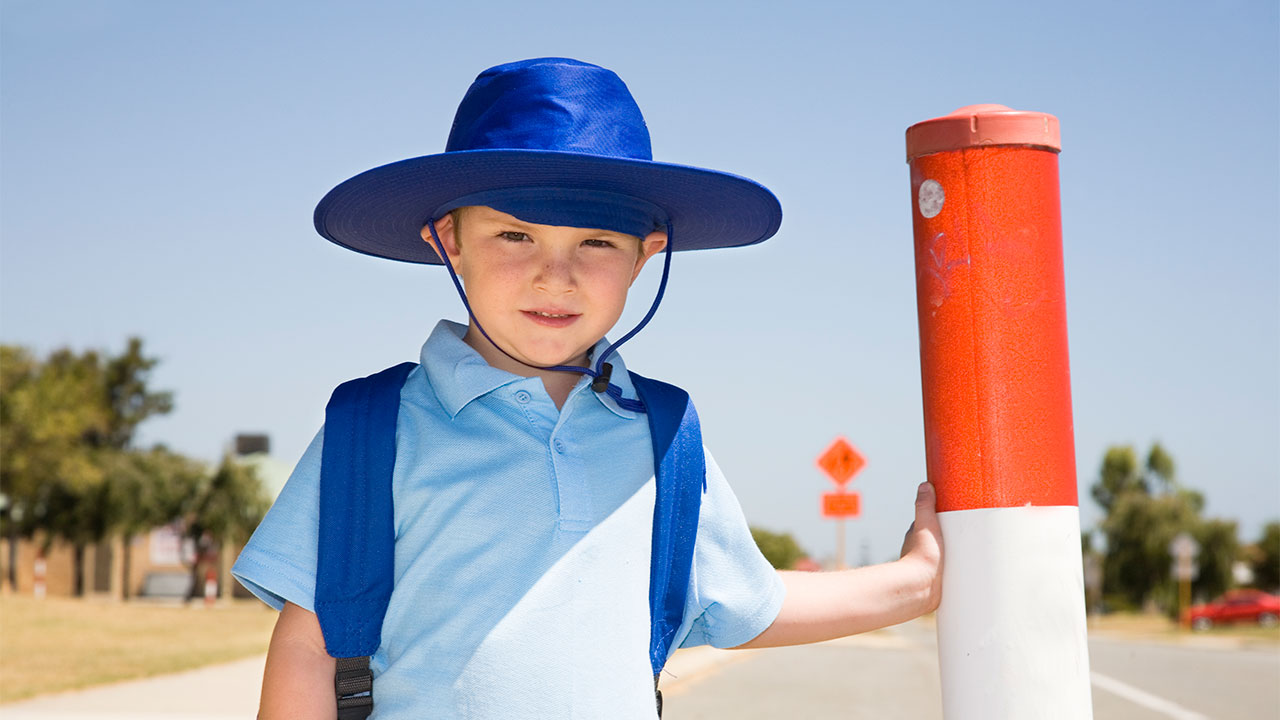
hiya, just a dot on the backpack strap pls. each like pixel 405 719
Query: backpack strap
pixel 681 477
pixel 356 553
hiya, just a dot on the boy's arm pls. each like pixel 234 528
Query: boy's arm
pixel 828 605
pixel 298 680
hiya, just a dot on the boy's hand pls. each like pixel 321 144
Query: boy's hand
pixel 922 546
pixel 825 605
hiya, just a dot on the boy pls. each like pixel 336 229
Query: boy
pixel 523 478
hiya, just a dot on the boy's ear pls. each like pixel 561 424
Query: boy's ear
pixel 653 243
pixel 448 238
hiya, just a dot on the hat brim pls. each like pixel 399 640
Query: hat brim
pixel 382 211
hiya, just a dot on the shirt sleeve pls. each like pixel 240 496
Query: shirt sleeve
pixel 278 564
pixel 734 593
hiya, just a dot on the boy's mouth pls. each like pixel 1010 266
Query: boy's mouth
pixel 551 319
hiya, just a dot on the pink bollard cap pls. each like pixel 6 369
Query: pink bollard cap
pixel 979 125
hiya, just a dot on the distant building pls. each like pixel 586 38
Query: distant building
pixel 254 451
pixel 252 445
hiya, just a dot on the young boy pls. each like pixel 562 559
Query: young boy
pixel 524 473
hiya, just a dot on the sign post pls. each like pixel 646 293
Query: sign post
pixel 1184 549
pixel 841 461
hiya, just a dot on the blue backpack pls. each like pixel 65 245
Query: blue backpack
pixel 355 570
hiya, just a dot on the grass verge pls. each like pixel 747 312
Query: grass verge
pixel 1159 627
pixel 63 644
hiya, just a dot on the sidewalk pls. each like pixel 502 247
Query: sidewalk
pixel 218 692
pixel 230 692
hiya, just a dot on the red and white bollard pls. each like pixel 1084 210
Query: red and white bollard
pixel 210 586
pixel 997 409
pixel 40 569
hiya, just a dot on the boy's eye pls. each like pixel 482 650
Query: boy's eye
pixel 597 242
pixel 513 236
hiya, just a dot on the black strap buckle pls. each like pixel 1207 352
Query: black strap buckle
pixel 601 382
pixel 353 685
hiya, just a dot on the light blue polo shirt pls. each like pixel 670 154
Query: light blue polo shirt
pixel 522 550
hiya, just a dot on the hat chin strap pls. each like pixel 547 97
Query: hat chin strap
pixel 603 371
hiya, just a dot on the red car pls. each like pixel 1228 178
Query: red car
pixel 1236 606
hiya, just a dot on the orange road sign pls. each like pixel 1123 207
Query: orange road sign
pixel 841 504
pixel 841 461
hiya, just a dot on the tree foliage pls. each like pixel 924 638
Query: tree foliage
pixel 1139 529
pixel 225 509
pixel 780 549
pixel 151 487
pixel 147 489
pixel 1160 466
pixel 48 416
pixel 1146 507
pixel 68 463
pixel 1219 550
pixel 67 424
pixel 127 398
pixel 229 505
pixel 1266 558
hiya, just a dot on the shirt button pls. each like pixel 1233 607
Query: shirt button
pixel 522 397
pixel 559 446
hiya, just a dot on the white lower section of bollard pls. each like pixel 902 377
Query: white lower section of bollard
pixel 1011 627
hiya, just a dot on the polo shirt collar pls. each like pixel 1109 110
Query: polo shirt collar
pixel 620 377
pixel 459 375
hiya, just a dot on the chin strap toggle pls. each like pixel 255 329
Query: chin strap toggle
pixel 601 382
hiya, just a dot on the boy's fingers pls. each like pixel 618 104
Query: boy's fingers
pixel 926 508
pixel 926 518
pixel 925 496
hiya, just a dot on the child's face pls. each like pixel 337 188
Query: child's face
pixel 545 293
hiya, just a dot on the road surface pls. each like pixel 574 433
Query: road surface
pixel 894 674
pixel 884 675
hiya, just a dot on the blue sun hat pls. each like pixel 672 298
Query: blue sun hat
pixel 552 141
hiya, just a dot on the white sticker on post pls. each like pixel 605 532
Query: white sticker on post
pixel 931 198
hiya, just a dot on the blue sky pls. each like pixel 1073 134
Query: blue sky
pixel 159 163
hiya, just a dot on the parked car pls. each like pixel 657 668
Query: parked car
pixel 1235 606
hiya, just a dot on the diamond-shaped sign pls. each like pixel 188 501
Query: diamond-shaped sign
pixel 841 461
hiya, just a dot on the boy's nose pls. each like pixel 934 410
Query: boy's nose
pixel 556 274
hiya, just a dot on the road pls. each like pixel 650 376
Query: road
pixel 894 674
pixel 884 675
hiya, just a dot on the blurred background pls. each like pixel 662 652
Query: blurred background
pixel 172 324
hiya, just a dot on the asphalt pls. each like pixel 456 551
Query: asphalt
pixel 884 675
pixel 894 674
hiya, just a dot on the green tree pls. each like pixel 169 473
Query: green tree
pixel 149 488
pixel 47 414
pixel 1160 466
pixel 1219 548
pixel 1146 507
pixel 1266 559
pixel 68 424
pixel 1139 529
pixel 780 549
pixel 127 396
pixel 1119 475
pixel 17 371
pixel 49 468
pixel 226 509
